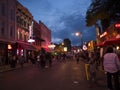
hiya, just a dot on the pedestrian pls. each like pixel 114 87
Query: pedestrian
pixel 77 58
pixel 92 69
pixel 49 58
pixel 111 65
pixel 33 59
pixel 42 60
pixel 13 61
pixel 38 60
pixel 22 61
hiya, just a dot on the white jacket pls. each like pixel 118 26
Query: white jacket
pixel 111 62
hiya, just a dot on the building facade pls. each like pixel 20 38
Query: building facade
pixel 24 29
pixel 37 35
pixel 111 36
pixel 17 26
pixel 45 35
pixel 7 29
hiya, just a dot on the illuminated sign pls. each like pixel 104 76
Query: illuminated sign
pixel 117 25
pixel 9 46
pixel 104 34
pixel 31 33
pixel 65 49
pixel 85 47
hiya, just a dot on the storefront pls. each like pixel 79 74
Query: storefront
pixel 6 49
pixel 25 49
pixel 111 37
pixel 111 41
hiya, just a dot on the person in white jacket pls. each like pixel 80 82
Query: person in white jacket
pixel 111 65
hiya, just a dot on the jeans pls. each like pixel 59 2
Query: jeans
pixel 115 77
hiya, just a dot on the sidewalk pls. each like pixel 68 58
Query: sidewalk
pixel 100 76
pixel 5 68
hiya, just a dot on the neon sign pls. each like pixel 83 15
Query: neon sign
pixel 104 34
pixel 117 25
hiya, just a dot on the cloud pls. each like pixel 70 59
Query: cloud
pixel 71 24
pixel 63 18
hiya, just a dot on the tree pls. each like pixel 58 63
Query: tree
pixel 106 11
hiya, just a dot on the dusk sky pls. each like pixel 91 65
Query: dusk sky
pixel 63 17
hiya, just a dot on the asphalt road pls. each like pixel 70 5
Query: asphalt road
pixel 61 76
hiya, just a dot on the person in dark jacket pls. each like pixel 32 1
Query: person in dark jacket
pixel 21 61
pixel 13 61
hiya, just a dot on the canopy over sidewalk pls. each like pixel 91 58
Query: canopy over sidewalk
pixel 112 41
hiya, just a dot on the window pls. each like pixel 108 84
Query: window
pixel 24 23
pixel 18 34
pixel 3 28
pixel 25 38
pixel 11 31
pixel 23 35
pixel 12 14
pixel 3 9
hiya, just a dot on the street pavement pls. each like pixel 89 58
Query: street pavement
pixel 67 75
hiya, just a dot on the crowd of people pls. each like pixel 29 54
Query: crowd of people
pixel 111 66
pixel 110 62
pixel 14 59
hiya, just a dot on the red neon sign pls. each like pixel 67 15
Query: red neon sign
pixel 117 25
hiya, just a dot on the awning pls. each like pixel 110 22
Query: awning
pixel 112 41
pixel 37 47
pixel 100 44
pixel 27 46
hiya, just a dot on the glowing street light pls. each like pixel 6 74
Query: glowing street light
pixel 79 34
pixel 51 46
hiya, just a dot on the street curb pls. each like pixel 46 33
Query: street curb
pixel 17 67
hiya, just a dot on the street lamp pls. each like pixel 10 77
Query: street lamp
pixel 79 34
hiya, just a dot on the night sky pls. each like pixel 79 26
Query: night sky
pixel 63 17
